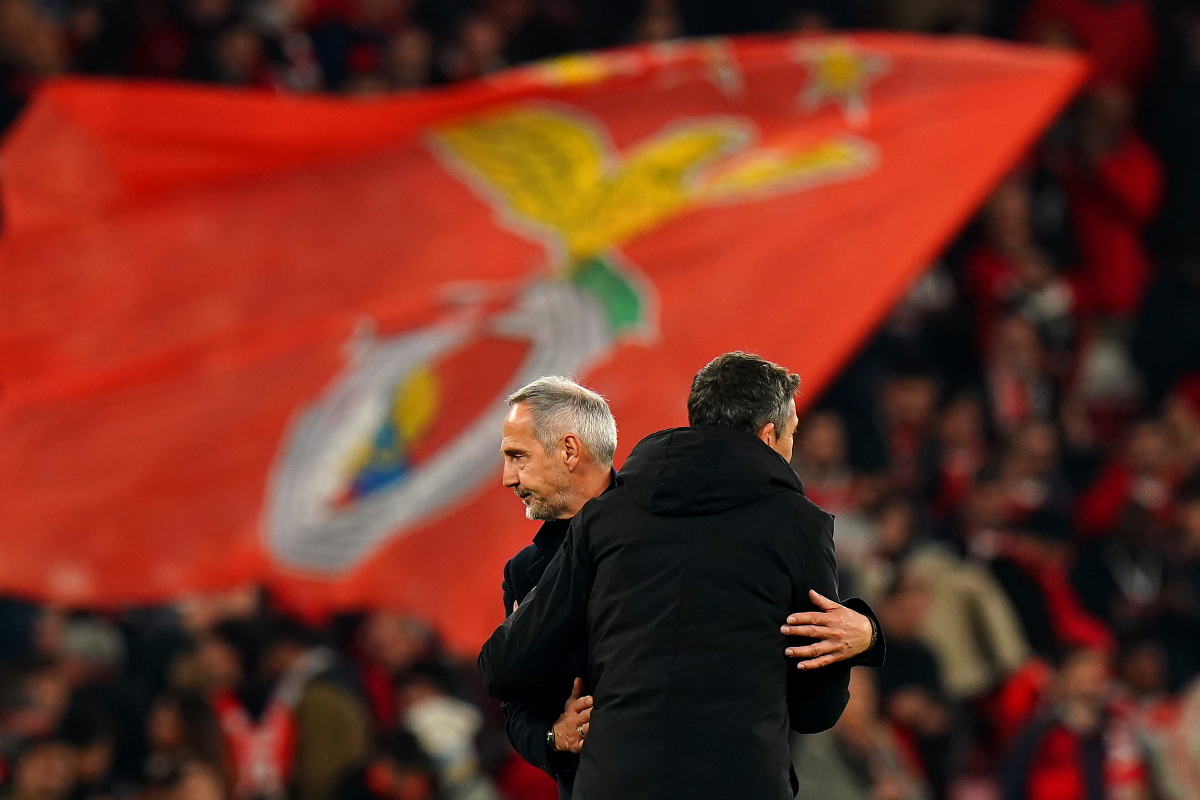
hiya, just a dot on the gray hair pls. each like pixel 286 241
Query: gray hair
pixel 560 406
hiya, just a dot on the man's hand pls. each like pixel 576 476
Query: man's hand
pixel 841 633
pixel 572 726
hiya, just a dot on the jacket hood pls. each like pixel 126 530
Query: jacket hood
pixel 682 472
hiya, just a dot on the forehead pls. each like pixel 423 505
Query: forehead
pixel 518 424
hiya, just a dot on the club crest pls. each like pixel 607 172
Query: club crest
pixel 411 428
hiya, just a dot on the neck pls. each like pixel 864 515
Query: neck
pixel 590 481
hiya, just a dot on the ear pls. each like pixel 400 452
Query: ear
pixel 572 451
pixel 767 434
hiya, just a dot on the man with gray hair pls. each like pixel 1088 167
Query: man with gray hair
pixel 558 443
pixel 674 584
pixel 559 440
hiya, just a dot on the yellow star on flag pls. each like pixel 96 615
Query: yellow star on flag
pixel 839 72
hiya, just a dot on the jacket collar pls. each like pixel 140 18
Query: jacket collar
pixel 553 531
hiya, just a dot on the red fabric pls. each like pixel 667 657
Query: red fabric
pixel 381 694
pixel 1017 700
pixel 519 780
pixel 262 751
pixel 1187 389
pixel 1099 508
pixel 195 278
pixel 1109 210
pixel 958 469
pixel 1119 36
pixel 1073 625
pixel 1056 772
pixel 989 279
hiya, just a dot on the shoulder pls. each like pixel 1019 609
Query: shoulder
pixel 806 516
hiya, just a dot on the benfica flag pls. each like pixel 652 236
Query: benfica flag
pixel 253 337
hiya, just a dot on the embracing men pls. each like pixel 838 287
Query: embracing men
pixel 671 595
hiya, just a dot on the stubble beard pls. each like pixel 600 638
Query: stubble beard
pixel 555 506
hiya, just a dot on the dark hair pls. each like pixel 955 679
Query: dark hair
pixel 285 631
pixel 741 391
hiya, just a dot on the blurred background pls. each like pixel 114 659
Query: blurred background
pixel 1013 457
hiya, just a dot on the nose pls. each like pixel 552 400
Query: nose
pixel 511 477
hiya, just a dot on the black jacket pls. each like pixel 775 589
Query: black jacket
pixel 679 579
pixel 527 721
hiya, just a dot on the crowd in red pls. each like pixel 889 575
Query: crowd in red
pixel 1013 459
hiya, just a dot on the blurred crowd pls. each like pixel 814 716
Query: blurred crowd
pixel 223 698
pixel 1013 460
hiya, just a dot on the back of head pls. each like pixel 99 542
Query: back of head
pixel 741 391
pixel 560 406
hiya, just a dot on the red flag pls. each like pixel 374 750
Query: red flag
pixel 252 337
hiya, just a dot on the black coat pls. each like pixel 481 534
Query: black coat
pixel 527 721
pixel 679 579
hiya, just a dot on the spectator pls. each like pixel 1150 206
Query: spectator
pixel 446 728
pixel 861 758
pixel 971 628
pixel 1114 185
pixel 1120 578
pixel 184 739
pixel 909 402
pixel 1144 476
pixel 1076 748
pixel 960 452
pixel 44 770
pixel 392 644
pixel 1181 420
pixel 478 51
pixel 1021 387
pixel 1030 472
pixel 910 682
pixel 1118 36
pixel 32 47
pixel 310 728
pixel 820 461
pixel 410 59
pixel 1031 565
pixel 399 771
pixel 1009 273
pixel 1166 342
pixel 1182 590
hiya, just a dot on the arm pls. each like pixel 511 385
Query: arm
pixel 817 697
pixel 506 588
pixel 525 652
pixel 526 724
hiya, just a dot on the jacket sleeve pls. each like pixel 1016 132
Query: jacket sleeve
pixel 816 698
pixel 876 655
pixel 506 588
pixel 526 724
pixel 524 653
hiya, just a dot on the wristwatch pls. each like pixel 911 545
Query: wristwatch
pixel 550 740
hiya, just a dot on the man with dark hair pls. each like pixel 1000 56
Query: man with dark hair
pixel 559 439
pixel 679 578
